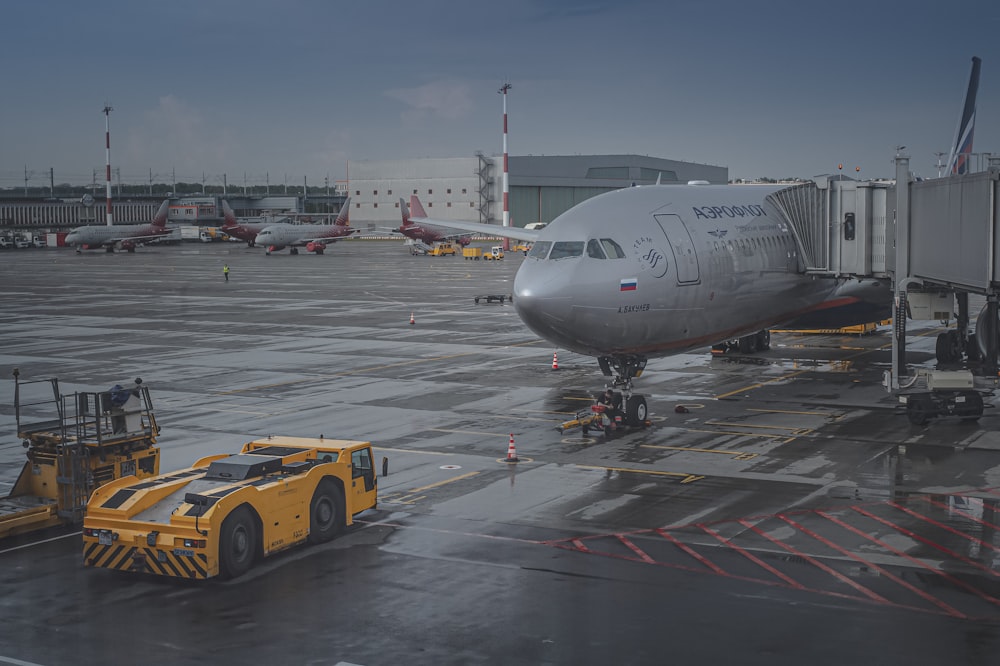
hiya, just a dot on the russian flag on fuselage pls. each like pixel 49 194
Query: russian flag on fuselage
pixel 628 284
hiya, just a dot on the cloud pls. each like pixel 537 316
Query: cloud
pixel 450 100
pixel 176 134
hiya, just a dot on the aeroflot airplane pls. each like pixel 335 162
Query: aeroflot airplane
pixel 656 270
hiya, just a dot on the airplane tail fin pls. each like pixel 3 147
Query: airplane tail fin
pixel 961 148
pixel 343 218
pixel 160 219
pixel 404 211
pixel 416 208
pixel 229 216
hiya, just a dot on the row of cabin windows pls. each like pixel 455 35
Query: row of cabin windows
pixel 389 192
pixel 753 243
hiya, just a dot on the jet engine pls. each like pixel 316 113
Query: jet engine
pixel 313 246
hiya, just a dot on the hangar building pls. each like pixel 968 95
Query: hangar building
pixel 471 188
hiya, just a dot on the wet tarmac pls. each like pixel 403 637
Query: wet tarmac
pixel 788 513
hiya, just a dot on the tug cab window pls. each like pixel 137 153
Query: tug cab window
pixel 566 249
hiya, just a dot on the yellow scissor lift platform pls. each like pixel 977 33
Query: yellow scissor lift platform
pixel 75 443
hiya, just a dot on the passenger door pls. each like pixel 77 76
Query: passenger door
pixel 679 239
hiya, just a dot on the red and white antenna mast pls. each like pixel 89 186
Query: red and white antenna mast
pixel 107 145
pixel 506 186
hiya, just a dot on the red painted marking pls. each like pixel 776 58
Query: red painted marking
pixel 753 558
pixel 948 577
pixel 899 581
pixel 961 513
pixel 579 545
pixel 635 549
pixel 937 546
pixel 666 535
pixel 942 525
pixel 836 574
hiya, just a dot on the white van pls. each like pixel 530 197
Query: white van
pixel 535 226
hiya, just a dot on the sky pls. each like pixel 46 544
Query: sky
pixel 264 91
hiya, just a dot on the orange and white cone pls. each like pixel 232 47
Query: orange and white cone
pixel 511 451
pixel 555 361
pixel 412 320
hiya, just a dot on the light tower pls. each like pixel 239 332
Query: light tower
pixel 107 145
pixel 506 192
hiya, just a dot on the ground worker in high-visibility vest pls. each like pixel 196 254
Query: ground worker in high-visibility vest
pixel 225 271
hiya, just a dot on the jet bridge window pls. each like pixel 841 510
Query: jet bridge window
pixel 566 249
pixel 613 249
pixel 594 250
pixel 540 249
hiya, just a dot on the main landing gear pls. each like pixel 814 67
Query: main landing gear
pixel 748 344
pixel 625 369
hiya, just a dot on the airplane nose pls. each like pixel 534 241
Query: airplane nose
pixel 543 299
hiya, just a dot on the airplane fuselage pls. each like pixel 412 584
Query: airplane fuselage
pixel 312 236
pixel 95 236
pixel 428 234
pixel 652 271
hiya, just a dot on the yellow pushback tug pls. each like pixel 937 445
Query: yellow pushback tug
pixel 75 443
pixel 219 516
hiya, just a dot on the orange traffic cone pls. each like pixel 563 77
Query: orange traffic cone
pixel 555 361
pixel 412 320
pixel 511 451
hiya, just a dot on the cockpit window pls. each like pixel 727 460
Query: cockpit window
pixel 594 250
pixel 566 249
pixel 613 249
pixel 540 249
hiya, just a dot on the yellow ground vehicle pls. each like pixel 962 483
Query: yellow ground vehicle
pixel 226 511
pixel 472 253
pixel 75 443
pixel 860 329
pixel 495 253
pixel 520 247
pixel 442 249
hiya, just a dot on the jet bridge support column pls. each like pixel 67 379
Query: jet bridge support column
pixel 902 275
pixel 989 329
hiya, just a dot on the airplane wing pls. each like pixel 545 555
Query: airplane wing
pixel 135 240
pixel 517 233
pixel 325 239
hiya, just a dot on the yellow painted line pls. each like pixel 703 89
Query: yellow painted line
pixel 737 455
pixel 736 432
pixel 471 432
pixel 750 425
pixel 685 477
pixel 443 483
pixel 761 384
pixel 426 453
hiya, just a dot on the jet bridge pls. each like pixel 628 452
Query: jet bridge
pixel 938 241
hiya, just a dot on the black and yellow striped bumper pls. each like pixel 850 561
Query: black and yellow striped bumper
pixel 157 561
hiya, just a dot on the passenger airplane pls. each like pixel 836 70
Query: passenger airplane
pixel 425 230
pixel 242 231
pixel 656 270
pixel 125 236
pixel 314 237
pixel 681 267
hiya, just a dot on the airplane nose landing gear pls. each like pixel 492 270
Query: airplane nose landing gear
pixel 625 369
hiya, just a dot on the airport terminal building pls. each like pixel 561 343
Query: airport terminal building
pixel 471 188
pixel 456 188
